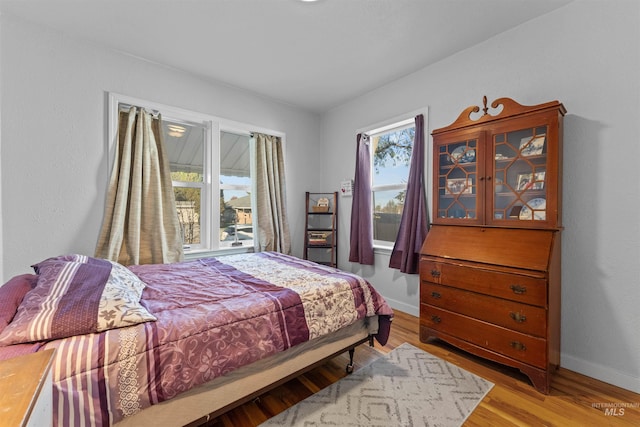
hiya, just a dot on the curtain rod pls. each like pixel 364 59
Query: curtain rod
pixel 123 106
pixel 126 107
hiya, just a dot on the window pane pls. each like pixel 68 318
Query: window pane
pixel 234 158
pixel 236 220
pixel 236 213
pixel 391 161
pixel 392 156
pixel 185 148
pixel 387 212
pixel 184 143
pixel 188 206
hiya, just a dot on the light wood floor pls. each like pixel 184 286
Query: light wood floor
pixel 575 400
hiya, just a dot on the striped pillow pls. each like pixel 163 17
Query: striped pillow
pixel 77 295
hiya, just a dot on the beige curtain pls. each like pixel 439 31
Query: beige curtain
pixel 141 222
pixel 271 200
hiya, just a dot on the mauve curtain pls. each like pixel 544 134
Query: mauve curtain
pixel 271 203
pixel 413 225
pixel 361 244
pixel 141 221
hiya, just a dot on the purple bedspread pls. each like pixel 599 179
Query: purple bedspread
pixel 214 315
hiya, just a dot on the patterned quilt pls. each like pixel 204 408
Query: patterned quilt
pixel 213 315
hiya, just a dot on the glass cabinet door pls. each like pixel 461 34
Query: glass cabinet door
pixel 457 179
pixel 520 176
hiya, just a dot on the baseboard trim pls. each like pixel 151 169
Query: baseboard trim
pixel 403 306
pixel 600 372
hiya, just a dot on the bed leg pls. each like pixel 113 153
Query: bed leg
pixel 370 340
pixel 352 351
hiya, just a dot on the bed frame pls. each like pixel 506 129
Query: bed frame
pixel 208 401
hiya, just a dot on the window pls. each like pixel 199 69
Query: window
pixel 236 208
pixel 391 157
pixel 185 143
pixel 210 161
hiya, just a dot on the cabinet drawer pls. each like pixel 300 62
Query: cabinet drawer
pixel 525 348
pixel 515 287
pixel 513 315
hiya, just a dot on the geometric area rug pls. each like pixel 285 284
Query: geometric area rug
pixel 406 387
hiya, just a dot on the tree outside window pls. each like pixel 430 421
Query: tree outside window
pixel 391 160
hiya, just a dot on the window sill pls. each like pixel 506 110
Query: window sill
pixel 383 250
pixel 207 253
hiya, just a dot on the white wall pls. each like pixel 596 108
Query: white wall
pixel 54 145
pixel 586 55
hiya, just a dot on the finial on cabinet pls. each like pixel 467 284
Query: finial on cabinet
pixel 509 108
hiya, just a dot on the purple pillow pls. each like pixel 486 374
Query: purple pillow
pixel 11 295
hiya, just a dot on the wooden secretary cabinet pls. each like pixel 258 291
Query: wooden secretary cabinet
pixel 490 265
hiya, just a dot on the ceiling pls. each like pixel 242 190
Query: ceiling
pixel 312 55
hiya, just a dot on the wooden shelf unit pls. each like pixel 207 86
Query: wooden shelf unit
pixel 321 229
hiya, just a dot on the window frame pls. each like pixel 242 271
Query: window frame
pixel 400 122
pixel 210 221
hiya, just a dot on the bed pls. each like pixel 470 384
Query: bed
pixel 178 344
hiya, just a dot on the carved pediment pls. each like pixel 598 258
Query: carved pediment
pixel 509 108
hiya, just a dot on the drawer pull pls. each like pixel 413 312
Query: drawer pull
pixel 518 345
pixel 518 317
pixel 518 289
pixel 436 319
pixel 436 295
pixel 435 273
